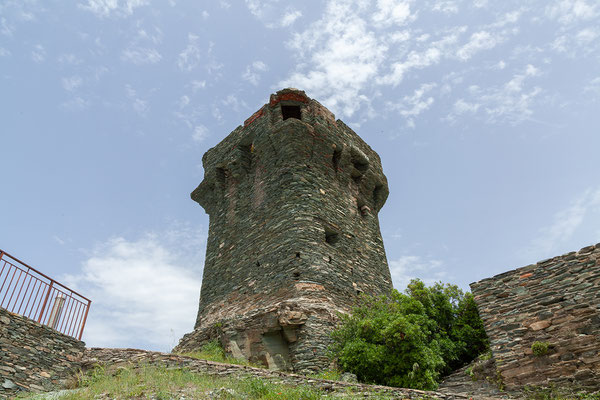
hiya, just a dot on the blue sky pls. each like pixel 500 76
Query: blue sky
pixel 485 114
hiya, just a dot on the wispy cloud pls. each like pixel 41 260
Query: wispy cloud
pixel 583 209
pixel 479 41
pixel 141 55
pixel 38 54
pixel 405 268
pixel 106 8
pixel 253 71
pixel 572 11
pixel 415 104
pixel 71 83
pixel 137 103
pixel 145 291
pixel 511 102
pixel 189 57
pixel 343 55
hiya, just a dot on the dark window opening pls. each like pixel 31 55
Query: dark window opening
pixel 297 255
pixel 257 264
pixel 358 292
pixel 296 276
pixel 221 175
pixel 331 237
pixel 291 112
pixel 329 261
pixel 351 271
pixel 246 156
pixel 335 159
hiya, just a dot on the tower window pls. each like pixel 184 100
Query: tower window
pixel 290 112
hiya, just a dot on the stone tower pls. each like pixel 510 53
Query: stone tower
pixel 293 197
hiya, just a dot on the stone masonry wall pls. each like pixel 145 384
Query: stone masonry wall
pixel 293 198
pixel 556 301
pixel 34 357
pixel 114 358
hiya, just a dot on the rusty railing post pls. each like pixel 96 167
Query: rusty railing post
pixel 45 301
pixel 87 310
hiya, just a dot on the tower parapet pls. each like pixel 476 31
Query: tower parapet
pixel 293 198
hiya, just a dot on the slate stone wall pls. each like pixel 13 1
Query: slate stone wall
pixel 114 358
pixel 293 206
pixel 556 301
pixel 34 357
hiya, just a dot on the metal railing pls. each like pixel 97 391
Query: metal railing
pixel 26 291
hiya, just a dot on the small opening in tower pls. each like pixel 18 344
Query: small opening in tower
pixel 297 255
pixel 291 112
pixel 329 260
pixel 331 237
pixel 258 264
pixel 296 276
pixel 335 159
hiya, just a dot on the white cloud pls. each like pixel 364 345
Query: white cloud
pixel 143 291
pixel 5 28
pixel 205 15
pixel 184 101
pixel 585 208
pixel 4 52
pixel 105 8
pixel 446 6
pixel 69 59
pixel 511 102
pixel 72 83
pixel 587 35
pixel 252 73
pixel 197 85
pixel 593 86
pixel 38 54
pixel 571 11
pixel 411 106
pixel 200 133
pixel 290 17
pixel 77 103
pixel 137 103
pixel 479 41
pixel 342 56
pixel 141 55
pixel 409 267
pixel 392 12
pixel 189 58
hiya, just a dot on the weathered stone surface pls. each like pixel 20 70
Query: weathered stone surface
pixel 114 358
pixel 555 301
pixel 34 357
pixel 293 197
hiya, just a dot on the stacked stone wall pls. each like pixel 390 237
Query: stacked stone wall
pixel 554 302
pixel 293 199
pixel 34 357
pixel 114 358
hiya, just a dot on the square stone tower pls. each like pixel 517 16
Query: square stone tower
pixel 293 197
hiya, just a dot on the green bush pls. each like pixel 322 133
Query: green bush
pixel 540 349
pixel 410 339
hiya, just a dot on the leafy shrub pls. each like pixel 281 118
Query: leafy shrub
pixel 540 349
pixel 410 339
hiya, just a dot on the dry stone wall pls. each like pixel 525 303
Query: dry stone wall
pixel 34 357
pixel 293 198
pixel 554 302
pixel 113 358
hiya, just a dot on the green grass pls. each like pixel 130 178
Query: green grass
pixel 163 383
pixel 557 393
pixel 212 351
